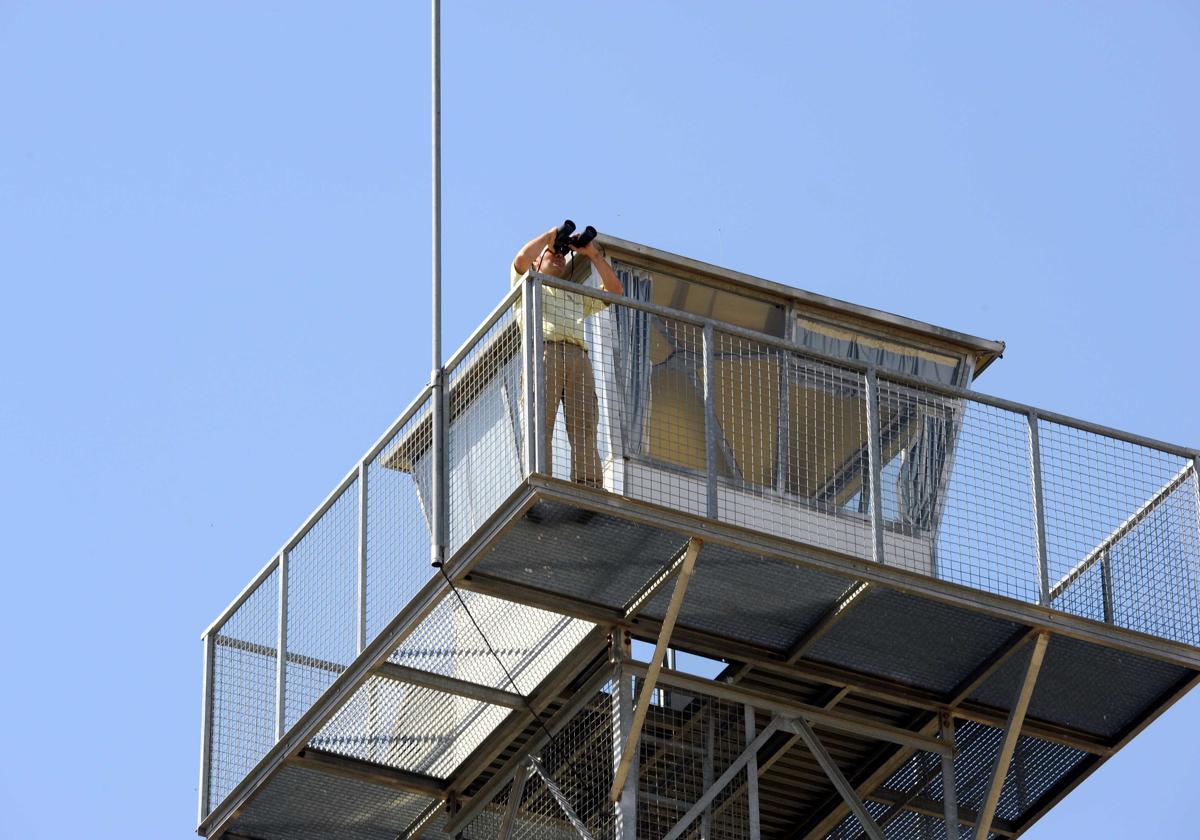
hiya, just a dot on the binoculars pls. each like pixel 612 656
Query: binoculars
pixel 566 237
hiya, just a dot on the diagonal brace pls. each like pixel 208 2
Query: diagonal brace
pixel 656 661
pixel 557 793
pixel 802 728
pixel 514 803
pixel 725 778
pixel 1012 731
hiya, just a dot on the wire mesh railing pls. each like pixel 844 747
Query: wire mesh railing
pixel 713 420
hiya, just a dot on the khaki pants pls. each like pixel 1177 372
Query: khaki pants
pixel 569 381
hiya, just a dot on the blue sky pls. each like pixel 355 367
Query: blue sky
pixel 214 257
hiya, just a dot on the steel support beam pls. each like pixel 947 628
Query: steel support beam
pixel 660 651
pixel 514 804
pixel 844 788
pixel 724 779
pixel 451 685
pixel 1012 731
pixel 752 776
pixel 491 789
pixel 625 807
pixel 418 826
pixel 826 718
pixel 562 801
pixel 949 793
pixel 366 771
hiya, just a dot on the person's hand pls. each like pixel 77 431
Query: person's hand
pixel 589 250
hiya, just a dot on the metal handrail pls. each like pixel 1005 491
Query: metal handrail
pixel 854 364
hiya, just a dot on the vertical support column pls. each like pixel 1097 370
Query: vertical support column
pixel 206 724
pixel 710 747
pixel 949 792
pixel 625 805
pixel 752 776
pixel 708 353
pixel 281 648
pixel 1039 509
pixel 1196 480
pixel 362 555
pixel 875 464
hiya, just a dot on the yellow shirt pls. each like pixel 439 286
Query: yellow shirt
pixel 563 312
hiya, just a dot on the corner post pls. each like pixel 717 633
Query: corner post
pixel 708 352
pixel 206 723
pixel 532 364
pixel 1039 508
pixel 875 464
pixel 281 648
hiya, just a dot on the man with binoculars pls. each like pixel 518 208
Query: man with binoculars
pixel 569 378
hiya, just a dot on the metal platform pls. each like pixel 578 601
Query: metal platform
pixel 914 590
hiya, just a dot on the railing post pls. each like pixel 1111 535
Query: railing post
pixel 708 354
pixel 362 555
pixel 206 723
pixel 1039 508
pixel 875 465
pixel 438 496
pixel 537 379
pixel 1106 584
pixel 281 650
pixel 533 363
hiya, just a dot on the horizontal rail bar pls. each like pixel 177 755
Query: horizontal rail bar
pixel 1120 531
pixel 495 315
pixel 853 364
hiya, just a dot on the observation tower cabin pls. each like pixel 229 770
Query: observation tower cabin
pixel 820 587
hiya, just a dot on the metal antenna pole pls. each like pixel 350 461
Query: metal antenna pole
pixel 437 377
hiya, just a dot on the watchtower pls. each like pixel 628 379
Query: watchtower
pixel 874 602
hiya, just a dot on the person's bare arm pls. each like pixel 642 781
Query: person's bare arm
pixel 531 249
pixel 608 277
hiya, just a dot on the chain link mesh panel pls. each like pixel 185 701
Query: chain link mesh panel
pixel 408 727
pixel 957 484
pixel 398 541
pixel 484 447
pixel 242 702
pixel 688 742
pixel 529 642
pixel 578 762
pixel 322 604
pixel 1122 534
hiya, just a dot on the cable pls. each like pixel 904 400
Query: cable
pixel 496 656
